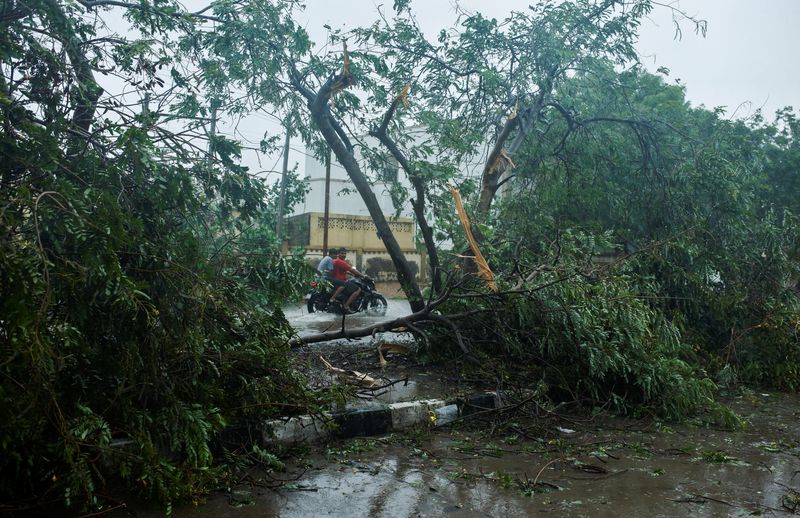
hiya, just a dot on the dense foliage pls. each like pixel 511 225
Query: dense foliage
pixel 591 338
pixel 693 197
pixel 141 286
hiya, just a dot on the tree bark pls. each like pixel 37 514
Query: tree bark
pixel 88 91
pixel 418 203
pixel 496 166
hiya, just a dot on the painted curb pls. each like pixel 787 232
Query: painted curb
pixel 379 420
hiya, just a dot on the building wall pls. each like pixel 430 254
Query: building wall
pixel 352 232
pixel 344 199
pixel 359 235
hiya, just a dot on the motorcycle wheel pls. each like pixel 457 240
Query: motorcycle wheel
pixel 377 305
pixel 316 303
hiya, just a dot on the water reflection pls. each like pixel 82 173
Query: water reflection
pixel 306 323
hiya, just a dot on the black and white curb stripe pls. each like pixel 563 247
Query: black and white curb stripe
pixel 375 420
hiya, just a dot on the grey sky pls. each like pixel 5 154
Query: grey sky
pixel 749 54
pixel 745 62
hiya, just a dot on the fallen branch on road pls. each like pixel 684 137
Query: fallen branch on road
pixel 402 324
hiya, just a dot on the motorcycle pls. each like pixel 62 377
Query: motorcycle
pixel 369 301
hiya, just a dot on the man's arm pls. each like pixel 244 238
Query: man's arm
pixel 356 272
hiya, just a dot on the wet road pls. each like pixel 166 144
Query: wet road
pixel 616 468
pixel 598 467
pixel 307 323
pixel 411 381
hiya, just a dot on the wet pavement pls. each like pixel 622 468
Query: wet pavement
pixel 616 467
pixel 599 467
pixel 307 323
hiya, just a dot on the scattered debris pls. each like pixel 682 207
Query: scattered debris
pixel 354 377
pixel 388 347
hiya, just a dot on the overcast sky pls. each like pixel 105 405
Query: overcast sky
pixel 746 61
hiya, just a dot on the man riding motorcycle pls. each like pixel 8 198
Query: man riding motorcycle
pixel 340 270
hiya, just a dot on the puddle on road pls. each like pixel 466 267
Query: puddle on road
pixel 417 386
pixel 307 323
pixel 614 468
pixel 396 387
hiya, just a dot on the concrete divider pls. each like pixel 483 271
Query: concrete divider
pixel 378 420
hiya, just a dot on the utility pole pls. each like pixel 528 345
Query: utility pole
pixel 327 203
pixel 282 199
pixel 212 132
pixel 146 109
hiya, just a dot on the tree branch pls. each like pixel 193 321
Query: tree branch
pixel 337 140
pixel 90 4
pixel 88 91
pixel 417 204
